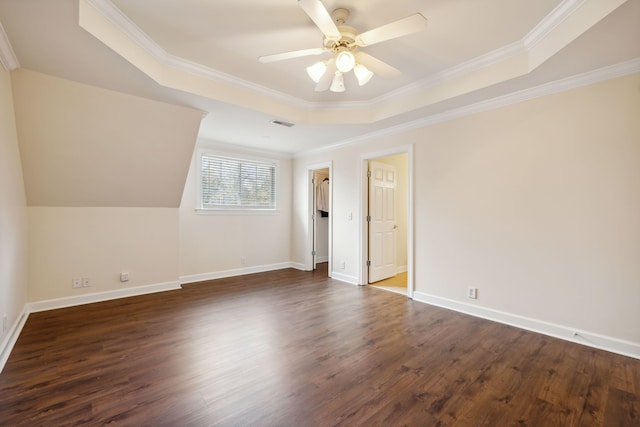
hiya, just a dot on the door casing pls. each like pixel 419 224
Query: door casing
pixel 363 278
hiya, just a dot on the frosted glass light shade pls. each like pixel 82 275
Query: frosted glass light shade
pixel 337 84
pixel 345 61
pixel 363 74
pixel 316 71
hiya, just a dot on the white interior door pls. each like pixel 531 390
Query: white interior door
pixel 382 221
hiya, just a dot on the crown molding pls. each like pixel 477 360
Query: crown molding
pixel 121 21
pixel 475 64
pixel 546 30
pixel 542 30
pixel 573 82
pixel 521 47
pixel 557 16
pixel 7 55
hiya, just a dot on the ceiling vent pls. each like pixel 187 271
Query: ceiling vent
pixel 281 123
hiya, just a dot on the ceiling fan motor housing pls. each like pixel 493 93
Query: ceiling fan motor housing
pixel 346 42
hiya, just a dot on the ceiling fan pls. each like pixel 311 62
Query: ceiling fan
pixel 343 41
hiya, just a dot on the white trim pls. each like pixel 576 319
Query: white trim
pixel 495 56
pixel 320 259
pixel 10 340
pixel 557 16
pixel 591 339
pixel 211 211
pixel 202 277
pixel 579 80
pixel 7 55
pixel 521 47
pixel 297 266
pixel 134 33
pixel 540 32
pixel 352 280
pixel 34 307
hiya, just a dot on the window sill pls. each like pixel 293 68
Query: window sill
pixel 201 211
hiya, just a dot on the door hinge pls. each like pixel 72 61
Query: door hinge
pixel 368 218
pixel 313 253
pixel 368 263
pixel 369 174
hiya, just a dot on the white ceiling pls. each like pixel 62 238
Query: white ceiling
pixel 204 54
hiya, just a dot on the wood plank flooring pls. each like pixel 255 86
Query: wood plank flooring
pixel 292 348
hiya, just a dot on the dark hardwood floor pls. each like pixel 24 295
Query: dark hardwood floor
pixel 292 348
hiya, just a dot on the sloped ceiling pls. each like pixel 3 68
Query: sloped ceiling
pixel 83 146
pixel 204 55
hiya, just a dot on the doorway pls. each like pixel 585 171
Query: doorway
pixel 320 219
pixel 322 185
pixel 387 222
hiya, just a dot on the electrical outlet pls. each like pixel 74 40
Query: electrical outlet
pixel 472 293
pixel 342 265
pixel 76 282
pixel 86 282
pixel 124 276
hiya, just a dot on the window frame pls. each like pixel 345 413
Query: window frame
pixel 236 210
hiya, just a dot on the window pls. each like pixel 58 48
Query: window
pixel 228 183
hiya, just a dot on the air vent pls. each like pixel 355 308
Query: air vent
pixel 281 123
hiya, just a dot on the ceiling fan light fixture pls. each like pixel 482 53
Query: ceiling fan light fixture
pixel 337 84
pixel 317 70
pixel 345 61
pixel 363 74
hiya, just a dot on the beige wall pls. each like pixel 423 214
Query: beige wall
pixel 104 174
pixel 538 206
pixel 13 221
pixel 100 243
pixel 217 244
pixel 535 204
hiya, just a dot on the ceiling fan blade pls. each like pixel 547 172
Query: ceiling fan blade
pixel 321 17
pixel 402 27
pixel 289 55
pixel 327 77
pixel 379 68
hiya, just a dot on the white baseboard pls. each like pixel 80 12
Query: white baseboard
pixel 10 340
pixel 614 345
pixel 192 278
pixel 344 278
pixel 401 269
pixel 51 304
pixel 298 266
pixel 320 259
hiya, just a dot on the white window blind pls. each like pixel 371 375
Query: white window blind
pixel 237 184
